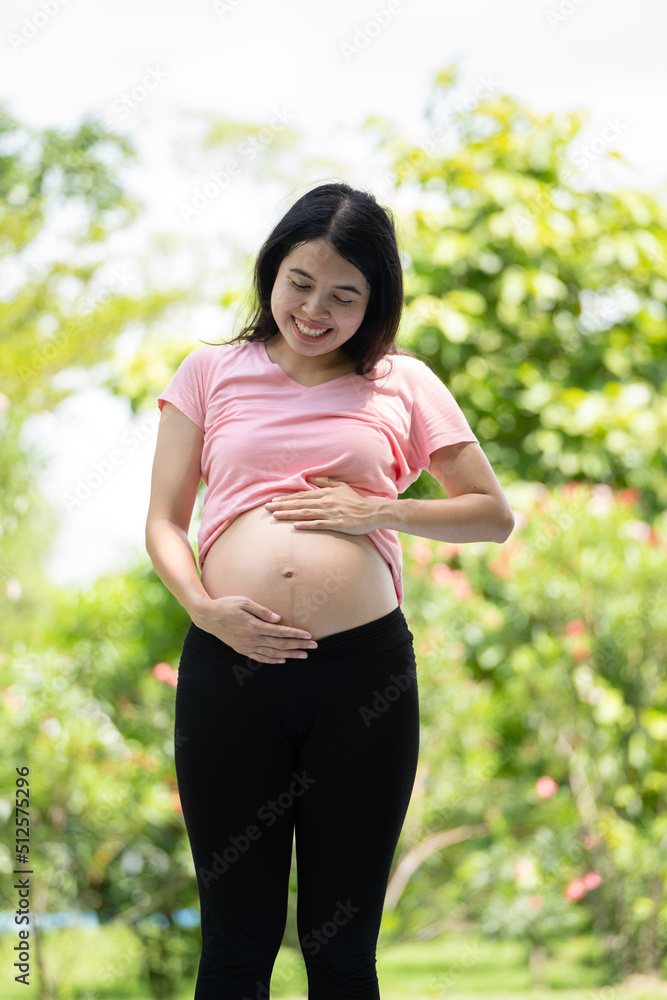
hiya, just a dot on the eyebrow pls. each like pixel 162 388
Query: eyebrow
pixel 345 288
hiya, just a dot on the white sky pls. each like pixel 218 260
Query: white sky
pixel 246 59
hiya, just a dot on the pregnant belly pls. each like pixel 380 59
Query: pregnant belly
pixel 320 580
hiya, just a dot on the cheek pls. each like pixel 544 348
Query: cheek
pixel 278 304
pixel 355 320
pixel 284 302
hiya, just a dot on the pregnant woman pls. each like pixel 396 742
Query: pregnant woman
pixel 297 714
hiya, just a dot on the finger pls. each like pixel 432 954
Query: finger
pixel 287 633
pixel 286 515
pixel 270 654
pixel 311 518
pixel 274 654
pixel 300 494
pixel 287 504
pixel 263 658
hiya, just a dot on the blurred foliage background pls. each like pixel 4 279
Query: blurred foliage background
pixel 539 809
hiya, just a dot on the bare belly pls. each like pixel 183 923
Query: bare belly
pixel 320 580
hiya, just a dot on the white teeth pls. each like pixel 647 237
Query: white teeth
pixel 309 333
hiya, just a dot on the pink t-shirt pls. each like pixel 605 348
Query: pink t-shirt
pixel 264 432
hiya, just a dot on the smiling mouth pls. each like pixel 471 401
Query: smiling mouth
pixel 313 334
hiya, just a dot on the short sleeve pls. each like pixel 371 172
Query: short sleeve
pixel 437 420
pixel 187 389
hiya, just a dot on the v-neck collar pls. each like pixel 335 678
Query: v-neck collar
pixel 284 377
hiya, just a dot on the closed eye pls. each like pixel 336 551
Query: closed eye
pixel 343 302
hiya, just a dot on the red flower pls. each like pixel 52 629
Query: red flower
pixel 573 487
pixel 422 553
pixel 592 880
pixel 11 697
pixel 653 537
pixel 461 585
pixel 575 889
pixel 628 497
pixel 575 627
pixel 501 564
pixel 578 887
pixel 454 578
pixel 165 673
pixel 546 787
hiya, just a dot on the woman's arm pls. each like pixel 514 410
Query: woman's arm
pixel 248 627
pixel 174 482
pixel 477 509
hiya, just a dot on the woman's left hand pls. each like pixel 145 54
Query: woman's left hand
pixel 334 505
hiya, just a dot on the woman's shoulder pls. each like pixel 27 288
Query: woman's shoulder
pixel 220 356
pixel 404 368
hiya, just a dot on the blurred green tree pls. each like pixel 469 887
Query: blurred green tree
pixel 63 305
pixel 543 691
pixel 539 302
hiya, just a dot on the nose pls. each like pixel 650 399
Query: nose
pixel 313 307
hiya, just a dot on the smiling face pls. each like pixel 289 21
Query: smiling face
pixel 322 291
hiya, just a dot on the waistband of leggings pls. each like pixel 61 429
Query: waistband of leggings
pixel 372 637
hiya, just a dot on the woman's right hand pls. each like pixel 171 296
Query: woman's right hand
pixel 249 629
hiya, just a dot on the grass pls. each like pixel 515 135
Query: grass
pixel 104 964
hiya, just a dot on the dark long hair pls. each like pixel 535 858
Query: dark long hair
pixel 362 232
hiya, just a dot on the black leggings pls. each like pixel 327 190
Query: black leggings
pixel 324 749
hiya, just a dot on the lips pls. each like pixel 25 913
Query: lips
pixel 317 336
